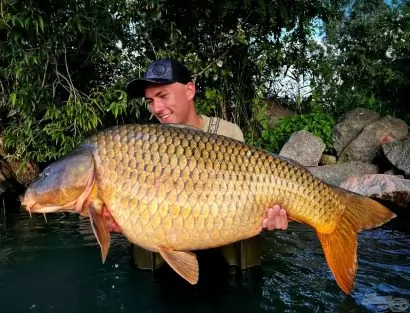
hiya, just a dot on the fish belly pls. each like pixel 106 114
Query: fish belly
pixel 191 224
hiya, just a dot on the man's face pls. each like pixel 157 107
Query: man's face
pixel 170 103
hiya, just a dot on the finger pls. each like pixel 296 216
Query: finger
pixel 275 209
pixel 270 217
pixel 265 221
pixel 283 219
pixel 273 218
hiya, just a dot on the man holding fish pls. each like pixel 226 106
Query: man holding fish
pixel 174 190
pixel 169 91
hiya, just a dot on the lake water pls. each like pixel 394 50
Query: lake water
pixel 56 267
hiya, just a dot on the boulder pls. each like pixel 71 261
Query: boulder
pixel 394 172
pixel 364 148
pixel 335 174
pixel 304 148
pixel 379 186
pixel 350 126
pixel 398 154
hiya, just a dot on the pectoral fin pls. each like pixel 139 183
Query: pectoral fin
pixel 184 263
pixel 100 230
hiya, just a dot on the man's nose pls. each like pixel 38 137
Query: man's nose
pixel 156 106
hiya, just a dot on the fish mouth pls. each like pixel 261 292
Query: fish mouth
pixel 38 207
pixel 27 204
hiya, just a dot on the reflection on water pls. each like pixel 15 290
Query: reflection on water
pixel 56 267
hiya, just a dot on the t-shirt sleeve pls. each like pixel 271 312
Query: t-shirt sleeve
pixel 231 130
pixel 237 133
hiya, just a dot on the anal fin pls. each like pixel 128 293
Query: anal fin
pixel 184 263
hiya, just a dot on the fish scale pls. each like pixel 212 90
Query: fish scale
pixel 227 181
pixel 176 189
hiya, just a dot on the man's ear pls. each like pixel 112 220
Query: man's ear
pixel 190 90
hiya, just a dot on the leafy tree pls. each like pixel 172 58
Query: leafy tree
pixel 365 59
pixel 60 77
pixel 65 63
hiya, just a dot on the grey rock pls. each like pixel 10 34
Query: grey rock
pixel 350 126
pixel 398 154
pixel 380 186
pixel 304 148
pixel 393 171
pixel 364 148
pixel 335 174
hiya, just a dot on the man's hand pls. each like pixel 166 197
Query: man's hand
pixel 275 218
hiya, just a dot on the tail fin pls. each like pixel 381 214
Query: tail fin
pixel 340 246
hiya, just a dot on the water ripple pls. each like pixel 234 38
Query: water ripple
pixel 56 267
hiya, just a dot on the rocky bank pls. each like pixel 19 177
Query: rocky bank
pixel 372 156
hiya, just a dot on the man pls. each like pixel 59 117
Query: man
pixel 169 92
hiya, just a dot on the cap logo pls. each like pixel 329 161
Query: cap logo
pixel 159 69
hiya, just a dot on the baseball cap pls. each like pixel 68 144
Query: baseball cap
pixel 163 71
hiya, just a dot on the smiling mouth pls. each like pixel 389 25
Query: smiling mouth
pixel 165 116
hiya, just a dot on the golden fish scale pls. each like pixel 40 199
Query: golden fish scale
pixel 184 189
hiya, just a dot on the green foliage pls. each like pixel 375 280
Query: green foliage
pixel 57 74
pixel 318 123
pixel 64 65
pixel 62 127
pixel 365 59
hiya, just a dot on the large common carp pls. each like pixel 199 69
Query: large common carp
pixel 173 190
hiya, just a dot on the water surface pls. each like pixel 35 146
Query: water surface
pixel 56 267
